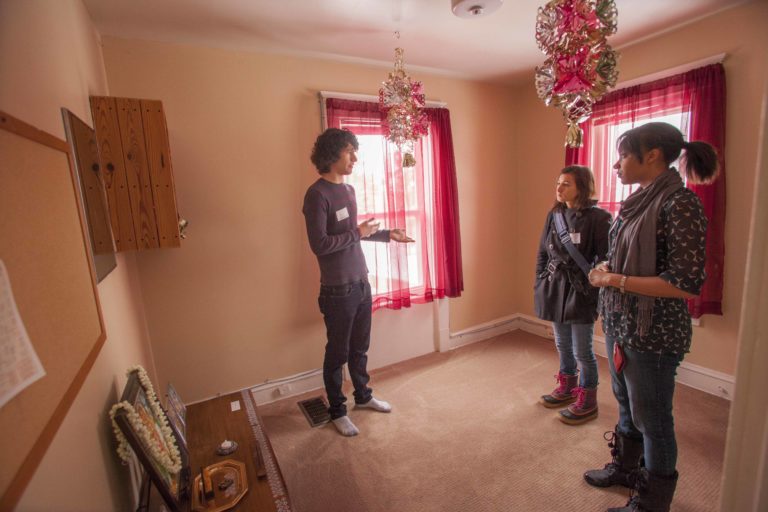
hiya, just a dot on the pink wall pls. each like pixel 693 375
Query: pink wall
pixel 237 303
pixel 50 58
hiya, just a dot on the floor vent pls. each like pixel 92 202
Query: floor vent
pixel 315 410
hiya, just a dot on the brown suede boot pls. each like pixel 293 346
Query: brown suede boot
pixel 585 408
pixel 562 394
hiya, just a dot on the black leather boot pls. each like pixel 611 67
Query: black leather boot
pixel 626 453
pixel 654 493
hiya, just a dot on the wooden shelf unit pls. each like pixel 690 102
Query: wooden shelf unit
pixel 136 168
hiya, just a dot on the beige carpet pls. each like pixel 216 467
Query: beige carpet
pixel 467 435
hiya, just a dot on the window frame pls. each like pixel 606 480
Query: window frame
pixel 441 249
pixel 603 152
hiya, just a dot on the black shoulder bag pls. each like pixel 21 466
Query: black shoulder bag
pixel 565 239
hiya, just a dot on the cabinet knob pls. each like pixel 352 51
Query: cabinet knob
pixel 183 223
pixel 95 167
pixel 110 167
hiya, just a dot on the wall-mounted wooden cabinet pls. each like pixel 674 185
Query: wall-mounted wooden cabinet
pixel 136 168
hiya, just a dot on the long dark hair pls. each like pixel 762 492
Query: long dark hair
pixel 699 163
pixel 585 184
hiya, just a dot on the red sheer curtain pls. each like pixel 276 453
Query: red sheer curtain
pixel 704 90
pixel 448 244
pixel 421 199
pixel 698 96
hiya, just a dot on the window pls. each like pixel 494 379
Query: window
pixel 693 101
pixel 603 154
pixel 421 199
pixel 370 182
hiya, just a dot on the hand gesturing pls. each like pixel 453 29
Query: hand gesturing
pixel 368 227
pixel 398 235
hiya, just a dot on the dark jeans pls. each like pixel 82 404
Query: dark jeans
pixel 644 390
pixel 347 313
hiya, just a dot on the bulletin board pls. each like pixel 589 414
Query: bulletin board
pixel 43 246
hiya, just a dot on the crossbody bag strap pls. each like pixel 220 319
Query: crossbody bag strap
pixel 565 239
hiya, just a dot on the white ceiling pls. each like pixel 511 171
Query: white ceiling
pixel 500 47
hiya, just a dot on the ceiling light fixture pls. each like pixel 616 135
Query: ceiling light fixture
pixel 474 8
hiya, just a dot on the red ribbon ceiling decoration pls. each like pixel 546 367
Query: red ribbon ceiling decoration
pixel 402 100
pixel 580 65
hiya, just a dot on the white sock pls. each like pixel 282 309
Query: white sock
pixel 345 426
pixel 376 405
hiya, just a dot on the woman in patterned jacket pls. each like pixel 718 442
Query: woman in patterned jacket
pixel 655 262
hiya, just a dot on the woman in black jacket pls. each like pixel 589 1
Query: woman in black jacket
pixel 564 296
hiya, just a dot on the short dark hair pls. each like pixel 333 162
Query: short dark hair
pixel 700 163
pixel 328 147
pixel 585 184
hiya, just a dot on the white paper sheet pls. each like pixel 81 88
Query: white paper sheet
pixel 19 364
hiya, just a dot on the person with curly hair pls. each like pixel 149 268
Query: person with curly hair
pixel 330 212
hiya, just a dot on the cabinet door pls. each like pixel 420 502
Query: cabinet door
pixel 134 142
pixel 136 162
pixel 159 158
pixel 110 147
pixel 82 143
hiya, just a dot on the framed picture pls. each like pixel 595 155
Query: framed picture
pixel 175 403
pixel 177 413
pixel 177 425
pixel 149 440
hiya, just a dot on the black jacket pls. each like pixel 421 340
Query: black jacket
pixel 562 292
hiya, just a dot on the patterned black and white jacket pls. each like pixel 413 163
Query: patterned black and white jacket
pixel 681 233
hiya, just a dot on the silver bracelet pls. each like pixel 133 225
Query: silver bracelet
pixel 622 283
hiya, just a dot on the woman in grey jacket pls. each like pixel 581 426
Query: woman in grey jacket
pixel 563 295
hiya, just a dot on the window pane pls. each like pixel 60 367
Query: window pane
pixel 370 180
pixel 604 154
